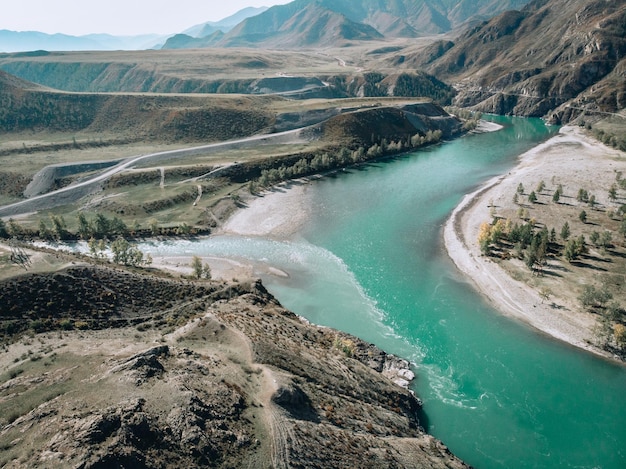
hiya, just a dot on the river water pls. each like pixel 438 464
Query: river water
pixel 370 261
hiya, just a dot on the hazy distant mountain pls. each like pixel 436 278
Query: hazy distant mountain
pixel 412 18
pixel 224 25
pixel 567 55
pixel 314 23
pixel 20 41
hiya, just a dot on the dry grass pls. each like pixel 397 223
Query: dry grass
pixel 574 164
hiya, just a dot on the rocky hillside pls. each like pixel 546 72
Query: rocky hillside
pixel 195 374
pixel 319 23
pixel 554 57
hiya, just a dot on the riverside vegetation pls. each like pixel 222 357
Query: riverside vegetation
pixel 234 379
pixel 585 250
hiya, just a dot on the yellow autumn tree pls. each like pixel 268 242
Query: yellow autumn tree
pixel 484 237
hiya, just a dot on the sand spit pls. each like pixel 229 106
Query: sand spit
pixel 512 297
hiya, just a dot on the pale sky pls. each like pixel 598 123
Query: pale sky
pixel 118 17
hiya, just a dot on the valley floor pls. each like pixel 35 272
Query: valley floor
pixel 568 158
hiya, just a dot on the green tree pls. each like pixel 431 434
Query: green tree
pixel 605 239
pixel 118 227
pixel 520 188
pixel 565 231
pixel 44 232
pixel 60 230
pixel 532 197
pixel 97 247
pixel 541 186
pixel 583 216
pixel 84 227
pixel 196 266
pixel 571 251
pixel 592 201
pixel 613 192
pixel 14 229
pixel 183 229
pixel 206 271
pixel 553 236
pixel 252 187
pixel 593 297
pixel 559 189
pixel 556 197
pixel 102 226
pixel 3 229
pixel 126 254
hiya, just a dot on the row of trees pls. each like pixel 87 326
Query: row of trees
pixel 341 158
pixel 99 226
pixel 55 228
pixel 610 332
pixel 533 245
pixel 122 252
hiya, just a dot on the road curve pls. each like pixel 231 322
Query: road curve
pixel 74 192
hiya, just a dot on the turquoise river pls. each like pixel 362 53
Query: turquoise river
pixel 370 261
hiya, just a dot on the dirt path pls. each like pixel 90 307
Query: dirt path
pixel 199 195
pixel 74 192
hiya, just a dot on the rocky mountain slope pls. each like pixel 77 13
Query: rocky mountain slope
pixel 319 23
pixel 554 57
pixel 241 72
pixel 194 374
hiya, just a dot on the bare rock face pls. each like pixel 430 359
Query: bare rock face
pixel 555 58
pixel 240 382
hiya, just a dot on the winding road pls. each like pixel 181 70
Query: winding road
pixel 74 192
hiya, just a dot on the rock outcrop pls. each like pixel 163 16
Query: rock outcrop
pixel 554 58
pixel 221 376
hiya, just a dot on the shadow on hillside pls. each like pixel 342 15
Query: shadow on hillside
pixel 586 265
pixel 551 273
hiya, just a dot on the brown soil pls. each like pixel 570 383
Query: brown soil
pixel 222 376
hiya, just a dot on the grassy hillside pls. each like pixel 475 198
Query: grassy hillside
pixel 333 74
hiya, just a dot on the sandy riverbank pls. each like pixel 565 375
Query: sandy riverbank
pixel 573 157
pixel 278 213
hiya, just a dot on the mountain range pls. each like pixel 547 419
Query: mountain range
pixel 21 41
pixel 559 57
pixel 301 23
pixel 319 23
